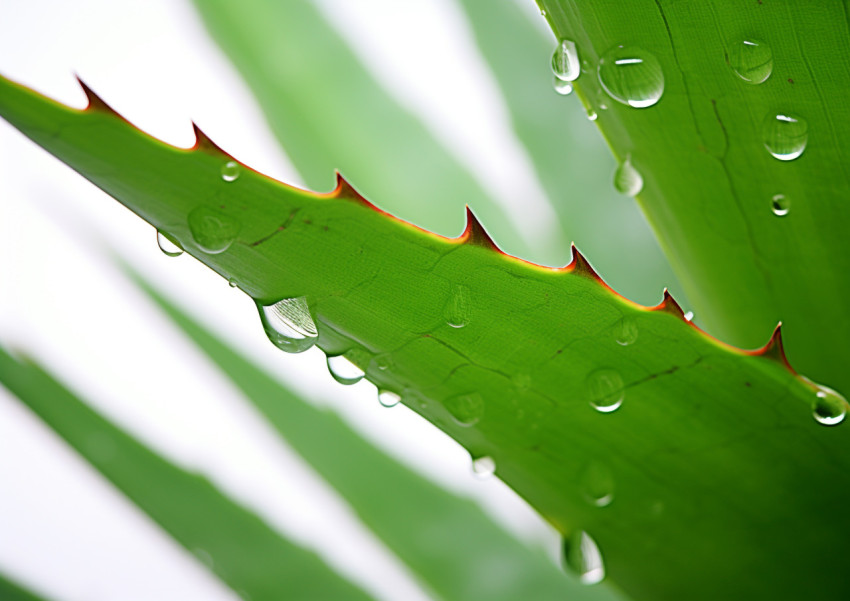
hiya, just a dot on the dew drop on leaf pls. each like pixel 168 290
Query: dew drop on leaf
pixel 344 368
pixel 606 390
pixel 384 361
pixel 167 245
pixel 564 88
pixel 626 331
pixel 288 324
pixel 457 309
pixel 466 409
pixel 751 60
pixel 780 205
pixel 627 179
pixel 232 282
pixel 565 63
pixel 689 316
pixel 388 398
pixel 785 135
pixel 591 114
pixel 582 557
pixel 212 230
pixel 230 171
pixel 830 407
pixel 632 76
pixel 483 467
pixel 597 484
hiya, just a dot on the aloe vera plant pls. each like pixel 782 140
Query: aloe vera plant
pixel 672 463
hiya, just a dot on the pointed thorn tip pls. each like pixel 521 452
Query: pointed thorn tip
pixel 96 103
pixel 475 232
pixel 669 305
pixel 346 191
pixel 203 142
pixel 580 265
pixel 774 349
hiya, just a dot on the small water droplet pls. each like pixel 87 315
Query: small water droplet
pixel 564 88
pixel 785 136
pixel 344 369
pixel 689 316
pixel 288 324
pixel 204 557
pixel 606 390
pixel 626 331
pixel 591 114
pixel 388 398
pixel 582 556
pixel 565 63
pixel 780 205
pixel 384 361
pixel 542 12
pixel 230 171
pixel 597 484
pixel 627 179
pixel 632 76
pixel 830 407
pixel 212 230
pixel 484 466
pixel 457 308
pixel 232 282
pixel 751 60
pixel 168 245
pixel 466 409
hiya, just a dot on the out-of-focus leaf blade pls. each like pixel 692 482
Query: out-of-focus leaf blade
pixel 571 158
pixel 246 554
pixel 718 469
pixel 329 113
pixel 10 591
pixel 447 541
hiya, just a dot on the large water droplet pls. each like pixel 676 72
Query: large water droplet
pixel 830 407
pixel 606 390
pixel 288 324
pixel 597 484
pixel 344 368
pixel 582 556
pixel 785 136
pixel 466 409
pixel 626 331
pixel 627 180
pixel 388 398
pixel 751 60
pixel 457 309
pixel 230 171
pixel 631 75
pixel 780 205
pixel 484 466
pixel 168 245
pixel 565 63
pixel 212 230
pixel 564 88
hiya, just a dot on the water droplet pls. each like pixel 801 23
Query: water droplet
pixel 230 171
pixel 780 205
pixel 631 75
pixel 564 88
pixel 232 282
pixel 597 484
pixel 606 390
pixel 384 361
pixel 627 180
pixel 751 60
pixel 542 12
pixel 626 332
pixel 204 557
pixel 591 114
pixel 830 407
pixel 388 398
pixel 466 409
pixel 457 308
pixel 785 136
pixel 212 230
pixel 484 466
pixel 689 316
pixel 565 64
pixel 288 324
pixel 344 369
pixel 582 556
pixel 168 245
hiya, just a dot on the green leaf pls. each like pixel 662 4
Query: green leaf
pixel 329 113
pixel 10 591
pixel 447 541
pixel 573 163
pixel 709 178
pixel 717 471
pixel 246 554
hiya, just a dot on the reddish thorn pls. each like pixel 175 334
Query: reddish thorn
pixel 345 190
pixel 96 103
pixel 203 142
pixel 774 349
pixel 579 264
pixel 669 305
pixel 474 233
